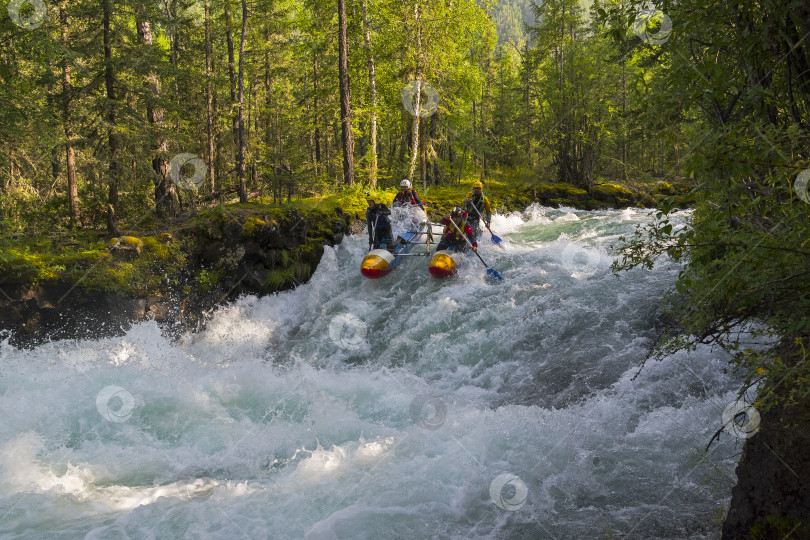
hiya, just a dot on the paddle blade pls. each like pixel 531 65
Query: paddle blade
pixel 496 240
pixel 492 273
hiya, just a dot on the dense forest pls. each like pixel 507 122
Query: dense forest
pixel 104 103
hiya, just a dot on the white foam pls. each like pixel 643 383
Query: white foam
pixel 264 424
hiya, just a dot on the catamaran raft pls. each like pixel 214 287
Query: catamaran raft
pixel 443 263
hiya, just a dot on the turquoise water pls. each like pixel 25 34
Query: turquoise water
pixel 404 407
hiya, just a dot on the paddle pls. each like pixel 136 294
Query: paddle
pixel 491 272
pixel 495 239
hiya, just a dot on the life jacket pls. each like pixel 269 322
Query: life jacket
pixel 452 235
pixel 480 205
pixel 409 196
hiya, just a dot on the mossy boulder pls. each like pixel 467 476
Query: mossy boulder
pixel 614 195
pixel 665 188
pixel 130 241
pixel 259 248
pixel 18 267
pixel 559 194
pixel 611 190
pixel 602 195
pixel 251 224
pixel 126 248
pixel 570 192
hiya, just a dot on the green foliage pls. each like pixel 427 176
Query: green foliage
pixel 250 225
pixel 88 261
pixel 746 249
pixel 206 280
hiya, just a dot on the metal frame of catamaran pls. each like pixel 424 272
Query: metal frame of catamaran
pixel 378 263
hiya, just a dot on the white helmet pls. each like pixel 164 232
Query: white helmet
pixel 406 184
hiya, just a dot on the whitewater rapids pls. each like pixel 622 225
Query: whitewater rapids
pixel 405 407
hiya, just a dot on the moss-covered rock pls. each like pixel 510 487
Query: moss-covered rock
pixel 770 499
pixel 614 195
pixel 611 190
pixel 665 188
pixel 126 248
pixel 149 242
pixel 567 191
pixel 251 224
pixel 130 241
pixel 594 204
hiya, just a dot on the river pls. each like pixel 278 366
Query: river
pixel 405 407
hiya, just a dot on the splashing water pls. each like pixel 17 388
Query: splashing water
pixel 393 408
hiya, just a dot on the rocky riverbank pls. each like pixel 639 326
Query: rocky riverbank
pixel 175 278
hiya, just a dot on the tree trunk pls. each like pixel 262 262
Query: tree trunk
pixel 475 123
pixel 624 109
pixel 345 98
pixel 484 96
pixel 328 157
pixel 624 122
pixel 416 124
pixel 391 156
pixel 231 71
pixel 166 202
pixel 240 124
pixel 418 105
pixel 372 82
pixel 433 166
pixel 422 160
pixel 315 117
pixel 72 185
pixel 209 97
pixel 109 81
pixel 451 156
pixel 171 17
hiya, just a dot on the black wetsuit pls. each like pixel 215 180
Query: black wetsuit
pixel 379 227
